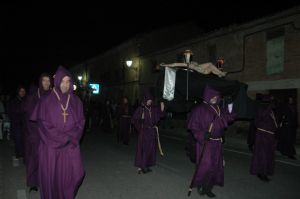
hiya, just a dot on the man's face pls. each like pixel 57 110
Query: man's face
pixel 46 83
pixel 65 84
pixel 125 100
pixel 213 100
pixel 149 102
pixel 22 92
pixel 291 100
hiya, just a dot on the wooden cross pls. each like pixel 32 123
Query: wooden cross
pixel 65 114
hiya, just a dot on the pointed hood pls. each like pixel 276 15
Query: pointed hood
pixel 210 93
pixel 41 89
pixel 61 72
pixel 147 96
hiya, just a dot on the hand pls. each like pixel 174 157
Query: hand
pixel 162 106
pixel 207 135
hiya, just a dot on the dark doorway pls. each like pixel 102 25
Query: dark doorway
pixel 282 95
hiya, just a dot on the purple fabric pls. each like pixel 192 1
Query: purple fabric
pixel 32 138
pixel 210 93
pixel 265 143
pixel 209 170
pixel 147 138
pixel 60 164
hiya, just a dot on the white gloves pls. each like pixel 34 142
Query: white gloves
pixel 230 107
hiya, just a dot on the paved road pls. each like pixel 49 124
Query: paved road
pixel 110 174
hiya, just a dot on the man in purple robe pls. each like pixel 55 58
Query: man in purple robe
pixel 124 115
pixel 16 115
pixel 207 123
pixel 145 120
pixel 263 158
pixel 32 139
pixel 61 121
pixel 288 129
pixel 107 117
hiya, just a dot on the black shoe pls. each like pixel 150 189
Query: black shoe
pixel 140 171
pixel 207 191
pixel 266 179
pixel 33 189
pixel 292 157
pixel 147 170
pixel 261 177
pixel 199 190
pixel 210 194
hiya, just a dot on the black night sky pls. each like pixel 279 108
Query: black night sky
pixel 37 38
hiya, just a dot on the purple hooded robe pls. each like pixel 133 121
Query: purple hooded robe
pixel 124 115
pixel 147 138
pixel 17 118
pixel 60 164
pixel 265 143
pixel 32 138
pixel 209 156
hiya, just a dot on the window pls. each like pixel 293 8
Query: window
pixel 275 51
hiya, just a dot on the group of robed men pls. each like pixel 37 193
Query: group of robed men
pixel 54 123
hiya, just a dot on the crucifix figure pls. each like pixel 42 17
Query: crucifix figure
pixel 64 109
pixel 65 114
pixel 205 68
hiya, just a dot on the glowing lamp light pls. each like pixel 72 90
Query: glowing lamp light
pixel 187 56
pixel 129 63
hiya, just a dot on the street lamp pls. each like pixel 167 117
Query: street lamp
pixel 79 78
pixel 129 63
pixel 187 56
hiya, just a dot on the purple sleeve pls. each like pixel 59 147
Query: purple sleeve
pixel 226 118
pixel 76 132
pixel 49 134
pixel 196 124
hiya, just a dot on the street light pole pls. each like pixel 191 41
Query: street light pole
pixel 187 55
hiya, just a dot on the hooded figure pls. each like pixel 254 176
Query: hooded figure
pixel 61 121
pixel 207 124
pixel 124 116
pixel 17 118
pixel 32 138
pixel 145 119
pixel 263 158
pixel 288 129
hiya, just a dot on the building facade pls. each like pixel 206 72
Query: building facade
pixel 264 53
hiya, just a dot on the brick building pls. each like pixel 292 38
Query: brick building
pixel 264 53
